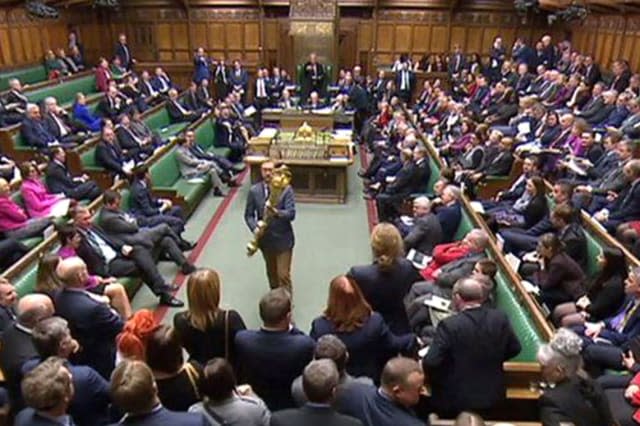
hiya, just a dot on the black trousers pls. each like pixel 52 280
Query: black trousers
pixel 85 191
pixel 140 263
pixel 172 217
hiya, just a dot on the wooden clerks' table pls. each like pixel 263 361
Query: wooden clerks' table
pixel 318 168
pixel 293 118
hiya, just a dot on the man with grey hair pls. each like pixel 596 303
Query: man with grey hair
pixel 319 379
pixel 94 324
pixel 626 206
pixel 330 347
pixel 425 232
pixel 17 345
pixel 90 403
pixel 449 212
pixel 476 336
pixel 58 123
pixel 16 101
pixel 35 132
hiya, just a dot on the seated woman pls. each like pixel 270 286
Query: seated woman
pixel 570 396
pixel 14 222
pixel 363 331
pixel 115 292
pixel 37 200
pixel 55 68
pixel 459 145
pixel 179 383
pixel 205 330
pixel 82 114
pixel 605 293
pixel 527 210
pixel 235 405
pixel 560 278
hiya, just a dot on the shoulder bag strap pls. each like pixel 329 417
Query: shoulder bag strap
pixel 226 335
pixel 193 378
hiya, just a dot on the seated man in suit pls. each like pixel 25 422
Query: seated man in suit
pixel 138 149
pixel 179 112
pixel 109 155
pixel 401 385
pixel 228 168
pixel 606 343
pixel 113 104
pixel 476 335
pixel 191 167
pixel 34 131
pixel 17 345
pixel 151 211
pixel 161 81
pixel 229 134
pixel 149 93
pixel 107 257
pixel 425 232
pixel 16 101
pixel 60 181
pixel 90 402
pixel 59 124
pixel 48 391
pixel 124 228
pixel 320 380
pixel 205 100
pixel 314 102
pixel 272 357
pixel 135 393
pixel 447 209
pixel 625 206
pixel 92 323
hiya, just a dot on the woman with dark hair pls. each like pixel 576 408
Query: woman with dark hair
pixel 525 211
pixel 386 281
pixel 178 382
pixel 363 331
pixel 474 64
pixel 560 278
pixel 225 402
pixel 550 130
pixel 605 292
pixel 570 395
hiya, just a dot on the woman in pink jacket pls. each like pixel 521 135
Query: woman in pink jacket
pixel 14 222
pixel 37 200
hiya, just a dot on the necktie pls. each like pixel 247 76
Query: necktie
pixel 63 129
pixel 457 63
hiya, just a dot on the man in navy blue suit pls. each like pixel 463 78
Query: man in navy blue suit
pixel 93 323
pixel 272 357
pixel 626 206
pixel 48 391
pixel 134 392
pixel 277 241
pixel 122 51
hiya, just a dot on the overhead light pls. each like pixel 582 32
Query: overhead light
pixel 40 10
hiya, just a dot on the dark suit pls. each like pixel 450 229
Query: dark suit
pixel 278 239
pixel 312 415
pixel 575 243
pixel 53 123
pixel 59 180
pixel 35 134
pixel 405 82
pixel 449 217
pixel 577 401
pixel 385 289
pixel 592 75
pixel 94 325
pixel 17 347
pixel 271 360
pixel 179 113
pixel 162 416
pixel 130 142
pixel 475 337
pixel 30 417
pixel 457 269
pixel 110 156
pixel 425 234
pixel 112 107
pixel 122 51
pixel 313 79
pixel 625 208
pixel 146 208
pixel 7 318
pixel 497 165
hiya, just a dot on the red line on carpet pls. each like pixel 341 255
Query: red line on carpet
pixel 372 210
pixel 160 311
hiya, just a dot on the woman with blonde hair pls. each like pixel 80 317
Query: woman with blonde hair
pixel 205 330
pixel 386 281
pixel 364 332
pixel 47 280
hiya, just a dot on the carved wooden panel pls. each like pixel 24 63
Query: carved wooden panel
pixel 439 42
pixel 403 38
pixel 421 37
pixel 385 37
pixel 458 36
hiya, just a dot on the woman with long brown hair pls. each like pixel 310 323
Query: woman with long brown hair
pixel 364 332
pixel 205 330
pixel 386 281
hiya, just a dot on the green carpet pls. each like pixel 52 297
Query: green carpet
pixel 329 239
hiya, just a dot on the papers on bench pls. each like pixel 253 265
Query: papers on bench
pixel 512 260
pixel 128 166
pixel 196 180
pixel 249 111
pixel 323 111
pixel 438 303
pixel 576 167
pixel 254 157
pixel 268 133
pixel 477 206
pixel 271 110
pixel 419 260
pixel 531 288
pixel 61 208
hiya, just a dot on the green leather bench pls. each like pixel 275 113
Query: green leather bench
pixel 27 75
pixel 168 183
pixel 66 92
pixel 161 122
pixel 206 138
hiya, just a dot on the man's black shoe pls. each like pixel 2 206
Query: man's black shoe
pixel 187 245
pixel 168 300
pixel 188 268
pixel 169 288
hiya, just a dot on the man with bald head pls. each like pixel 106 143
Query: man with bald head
pixel 426 231
pixel 92 323
pixel 8 301
pixel 17 346
pixel 464 361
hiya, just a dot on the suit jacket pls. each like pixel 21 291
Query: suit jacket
pixel 473 337
pixel 30 417
pixel 449 217
pixel 53 128
pixel 103 75
pixel 369 346
pixel 312 415
pixel 627 205
pixel 564 274
pixel 110 107
pixel 630 329
pixel 188 162
pixel 404 182
pixel 17 347
pixel 16 101
pixel 631 126
pixel 7 318
pixel 94 325
pixel 204 97
pixel 278 236
pixel 94 259
pixel 575 243
pixel 412 81
pixel 457 269
pixel 123 52
pixel 498 165
pixel 239 80
pixel 36 134
pixel 425 234
pixel 147 89
pixel 176 113
pixel 110 157
pixel 577 401
pixel 161 416
pixel 592 74
pixel 161 84
pixel 142 201
pixel 271 360
pixel 190 101
pixel 591 108
pixel 124 229
pixel 385 290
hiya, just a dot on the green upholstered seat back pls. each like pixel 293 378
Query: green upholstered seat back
pixel 593 251
pixel 205 134
pixel 165 172
pixel 28 75
pixel 158 119
pixel 26 283
pixel 125 204
pixel 88 158
pixel 464 226
pixel 65 92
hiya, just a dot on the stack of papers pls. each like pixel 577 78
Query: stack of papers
pixel 268 133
